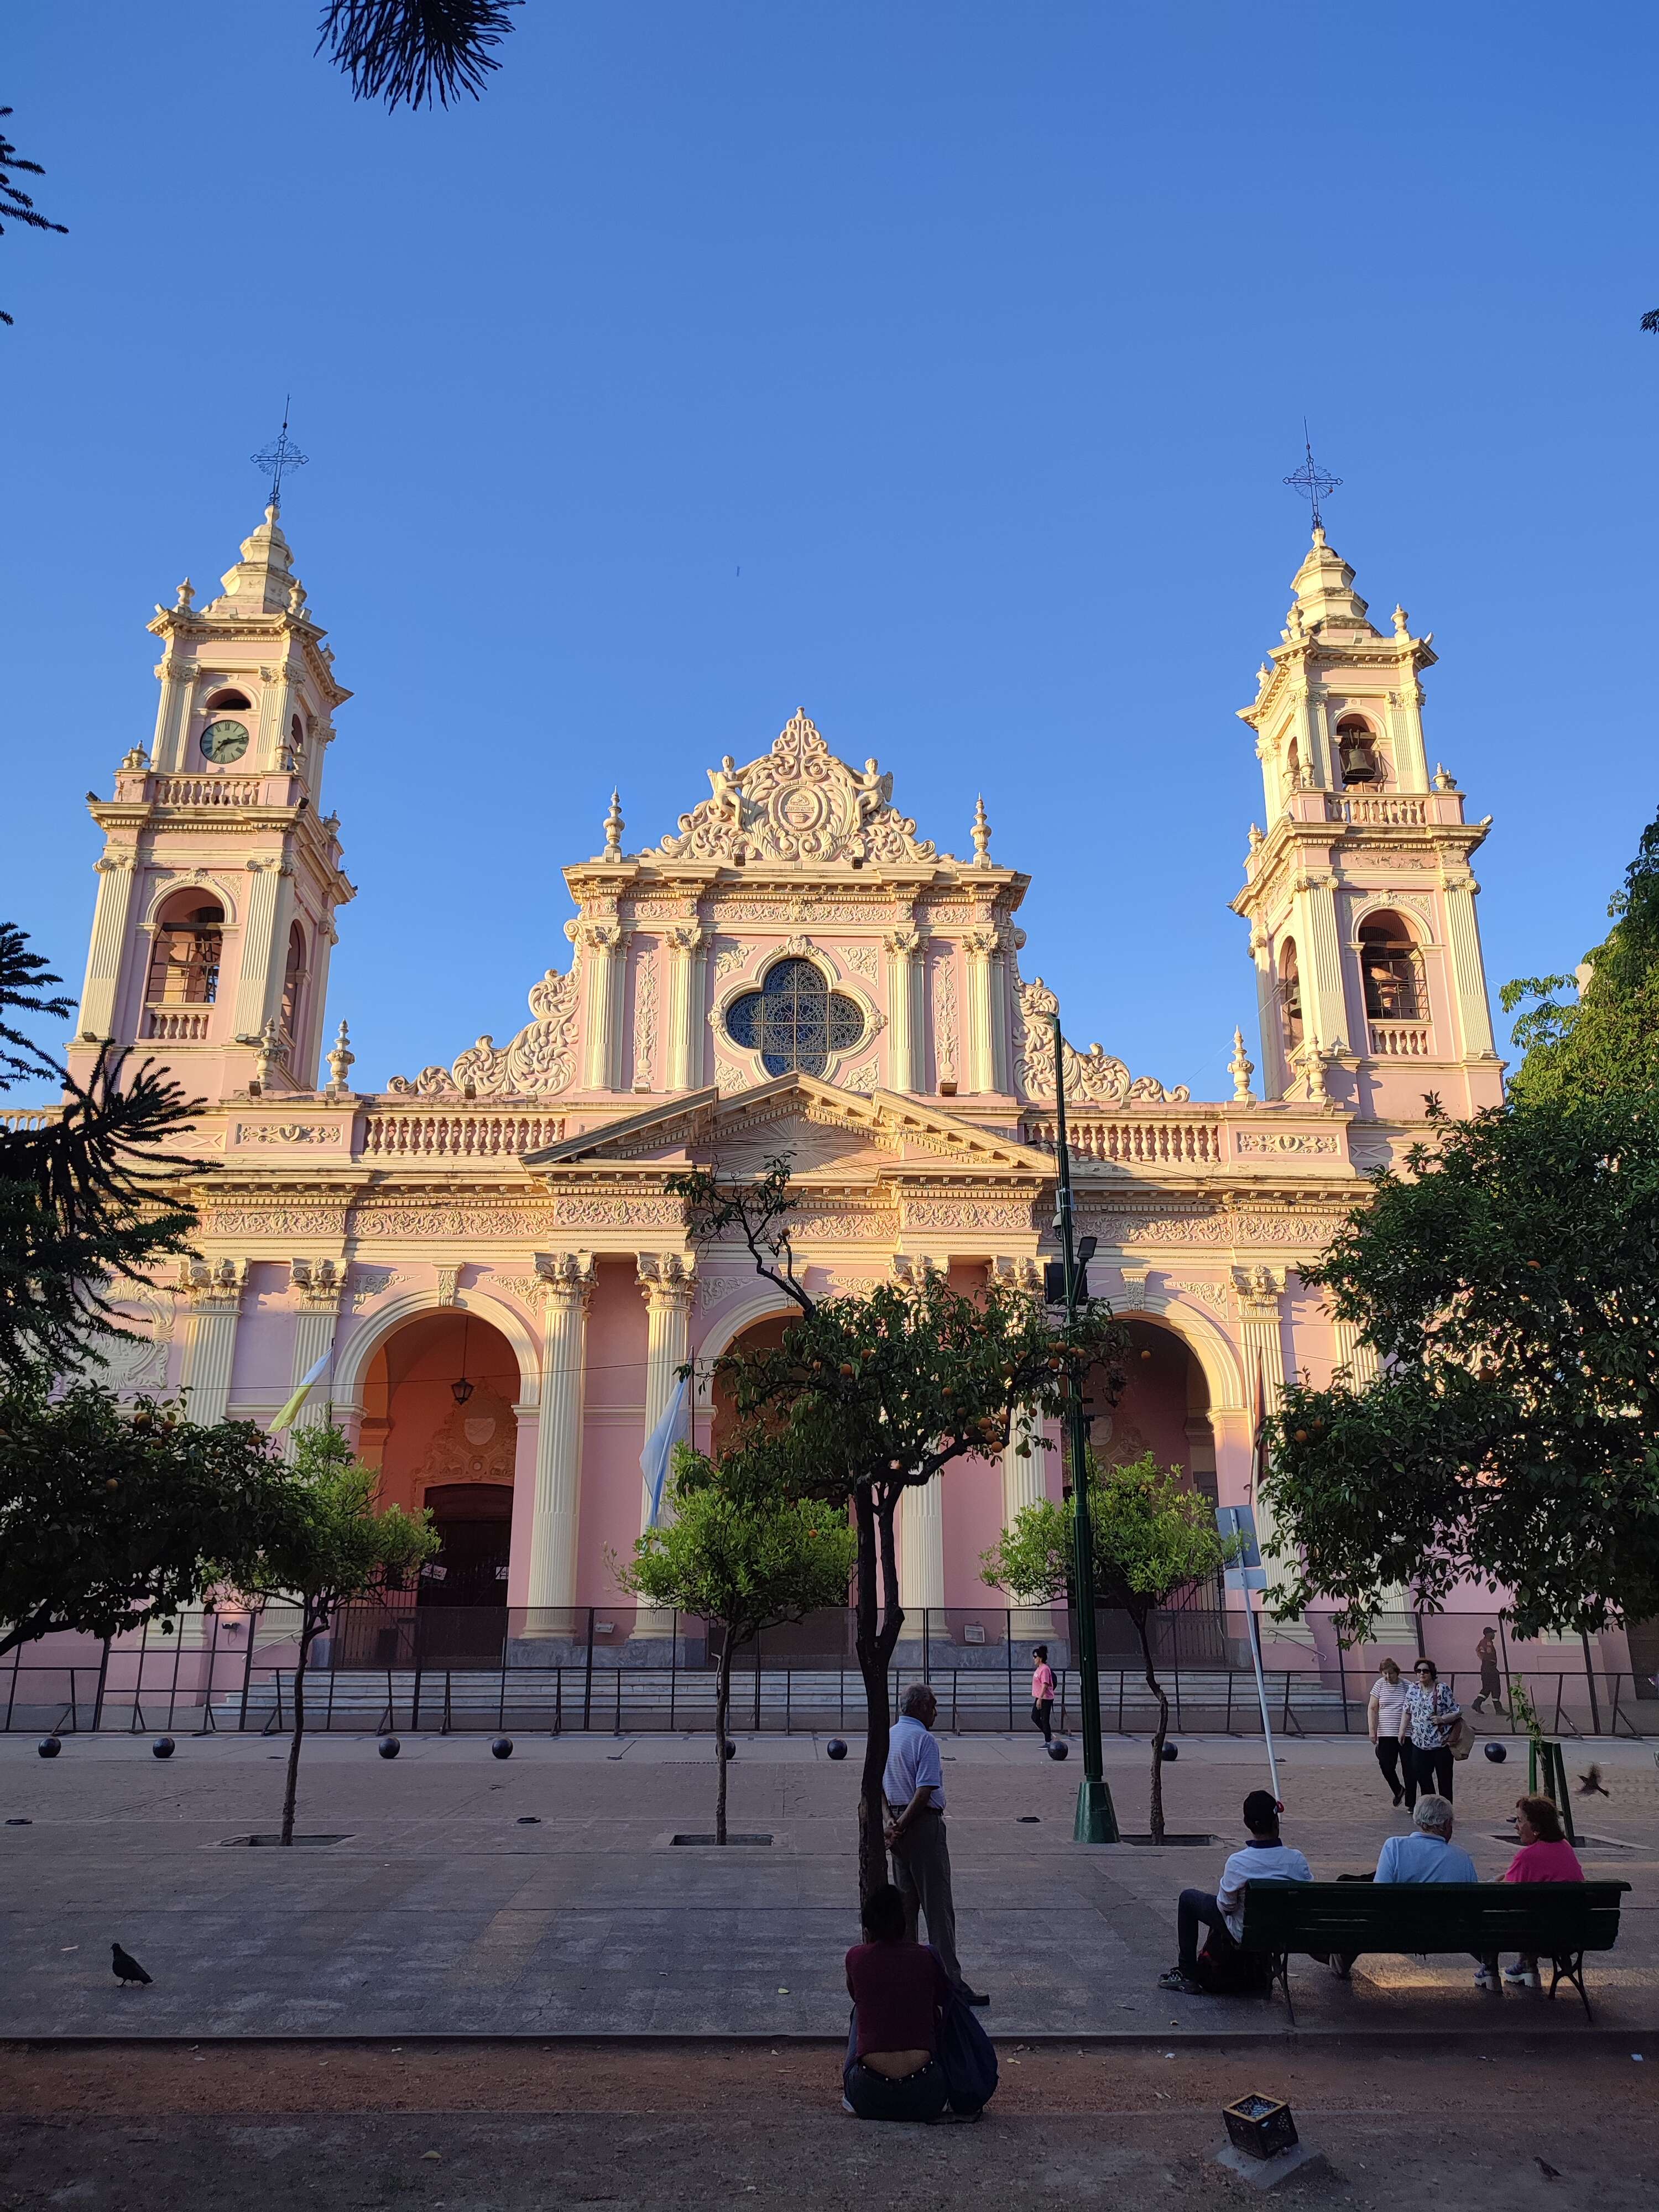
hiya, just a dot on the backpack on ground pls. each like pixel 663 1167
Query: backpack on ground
pixel 1226 1971
pixel 967 2059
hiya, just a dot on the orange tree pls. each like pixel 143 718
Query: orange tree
pixel 872 1394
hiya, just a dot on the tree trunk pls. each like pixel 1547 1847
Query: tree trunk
pixel 308 1629
pixel 1163 1730
pixel 876 1640
pixel 722 1707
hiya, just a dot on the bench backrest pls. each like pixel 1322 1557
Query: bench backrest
pixel 1431 1916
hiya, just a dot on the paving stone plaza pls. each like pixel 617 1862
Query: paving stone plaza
pixel 543 1895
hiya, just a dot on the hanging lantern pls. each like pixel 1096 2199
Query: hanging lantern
pixel 461 1391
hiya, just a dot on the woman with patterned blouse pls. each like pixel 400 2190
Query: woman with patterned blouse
pixel 1429 1714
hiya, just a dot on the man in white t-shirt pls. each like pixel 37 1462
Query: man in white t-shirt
pixel 1265 1857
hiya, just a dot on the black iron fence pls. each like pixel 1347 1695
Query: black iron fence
pixel 623 1669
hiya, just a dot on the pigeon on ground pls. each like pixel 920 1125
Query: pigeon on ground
pixel 127 1968
pixel 1590 1785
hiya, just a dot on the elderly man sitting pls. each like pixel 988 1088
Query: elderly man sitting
pixel 1428 1854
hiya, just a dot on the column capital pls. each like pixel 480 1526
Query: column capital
pixel 979 944
pixel 1016 1272
pixel 601 935
pixel 667 1279
pixel 567 1279
pixel 209 1284
pixel 902 943
pixel 684 938
pixel 318 1282
pixel 1260 1289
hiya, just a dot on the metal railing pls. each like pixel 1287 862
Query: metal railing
pixel 450 1668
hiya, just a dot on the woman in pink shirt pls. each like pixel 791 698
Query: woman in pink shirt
pixel 1043 1691
pixel 1544 1855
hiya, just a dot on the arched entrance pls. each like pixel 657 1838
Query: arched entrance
pixel 438 1421
pixel 1164 1409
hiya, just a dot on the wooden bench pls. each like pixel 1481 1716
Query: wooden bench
pixel 1556 1920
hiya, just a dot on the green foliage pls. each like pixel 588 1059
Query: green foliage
pixel 84 1203
pixel 1510 1282
pixel 1607 1039
pixel 111 1515
pixel 733 1555
pixel 1153 1538
pixel 337 1546
pixel 742 1554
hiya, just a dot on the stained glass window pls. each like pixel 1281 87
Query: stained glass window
pixel 795 1020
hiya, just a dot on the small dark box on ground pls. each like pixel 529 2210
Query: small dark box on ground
pixel 1259 2126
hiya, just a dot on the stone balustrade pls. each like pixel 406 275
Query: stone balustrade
pixel 468 1133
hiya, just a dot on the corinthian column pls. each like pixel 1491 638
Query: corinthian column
pixel 109 937
pixel 687 955
pixel 979 945
pixel 214 1291
pixel 258 937
pixel 1360 1359
pixel 667 1283
pixel 1260 1289
pixel 903 978
pixel 921 1552
pixel 603 965
pixel 569 1278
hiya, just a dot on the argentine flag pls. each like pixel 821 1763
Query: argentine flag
pixel 660 1447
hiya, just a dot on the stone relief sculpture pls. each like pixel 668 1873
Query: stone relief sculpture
pixel 541 1058
pixel 1093 1078
pixel 797 802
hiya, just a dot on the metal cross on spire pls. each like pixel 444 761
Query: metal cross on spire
pixel 1313 482
pixel 276 459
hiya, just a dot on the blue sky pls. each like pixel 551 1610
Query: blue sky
pixel 933 366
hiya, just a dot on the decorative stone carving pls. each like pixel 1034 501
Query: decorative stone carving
pixel 1275 1141
pixel 202 1280
pixel 667 1277
pixel 329 1135
pixel 318 1282
pixel 1091 1078
pixel 1259 1288
pixel 1213 1295
pixel 541 1058
pixel 645 1015
pixel 275 1221
pixel 945 1015
pixel 968 1213
pixel 859 959
pixel 560 1275
pixel 475 1442
pixel 797 802
pixel 365 1284
pixel 448 1282
pixel 1016 1273
pixel 865 1078
pixel 730 1078
pixel 138 1363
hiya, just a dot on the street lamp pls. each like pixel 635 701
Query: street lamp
pixel 1097 1821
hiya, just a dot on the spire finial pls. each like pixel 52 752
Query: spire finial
pixel 1315 485
pixel 340 1060
pixel 981 834
pixel 276 460
pixel 1241 1067
pixel 185 602
pixel 614 826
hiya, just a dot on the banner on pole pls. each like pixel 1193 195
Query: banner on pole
pixel 1237 1524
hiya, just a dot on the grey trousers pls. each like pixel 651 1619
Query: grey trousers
pixel 921 1868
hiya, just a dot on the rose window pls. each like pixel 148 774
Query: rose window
pixel 794 1020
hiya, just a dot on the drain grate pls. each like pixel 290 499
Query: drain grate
pixel 730 1839
pixel 276 1839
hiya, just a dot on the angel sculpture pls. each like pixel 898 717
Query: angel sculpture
pixel 727 782
pixel 875 790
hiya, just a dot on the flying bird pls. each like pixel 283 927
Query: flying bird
pixel 1590 1785
pixel 127 1968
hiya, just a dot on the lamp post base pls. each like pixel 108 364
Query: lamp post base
pixel 1096 1822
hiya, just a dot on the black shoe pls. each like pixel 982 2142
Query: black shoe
pixel 970 1996
pixel 1398 1797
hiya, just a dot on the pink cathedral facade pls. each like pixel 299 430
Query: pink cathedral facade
pixel 793 967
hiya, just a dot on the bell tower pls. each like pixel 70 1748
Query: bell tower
pixel 1359 894
pixel 221 874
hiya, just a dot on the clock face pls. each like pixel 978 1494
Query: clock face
pixel 224 741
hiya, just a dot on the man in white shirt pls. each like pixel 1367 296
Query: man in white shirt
pixel 913 1782
pixel 1265 1857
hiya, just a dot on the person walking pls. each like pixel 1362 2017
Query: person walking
pixel 1383 1710
pixel 1485 1655
pixel 1429 1714
pixel 1266 1858
pixel 913 1783
pixel 1043 1691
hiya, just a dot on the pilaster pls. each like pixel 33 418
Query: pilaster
pixel 688 953
pixel 980 945
pixel 903 1027
pixel 318 1285
pixel 603 968
pixel 1260 1291
pixel 212 1291
pixel 567 1280
pixel 1469 978
pixel 921 1550
pixel 109 937
pixel 258 926
pixel 668 1282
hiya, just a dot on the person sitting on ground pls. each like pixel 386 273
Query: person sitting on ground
pixel 899 1991
pixel 1428 1854
pixel 1544 1855
pixel 1265 1857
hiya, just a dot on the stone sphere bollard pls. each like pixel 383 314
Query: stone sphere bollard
pixel 1060 1751
pixel 731 1749
pixel 49 1747
pixel 835 1748
pixel 1497 1753
pixel 1170 1751
pixel 388 1747
pixel 501 1748
pixel 163 1747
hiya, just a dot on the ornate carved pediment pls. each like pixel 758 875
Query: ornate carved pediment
pixel 1093 1078
pixel 797 802
pixel 541 1058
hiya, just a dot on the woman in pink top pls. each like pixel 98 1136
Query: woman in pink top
pixel 1043 1691
pixel 1544 1855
